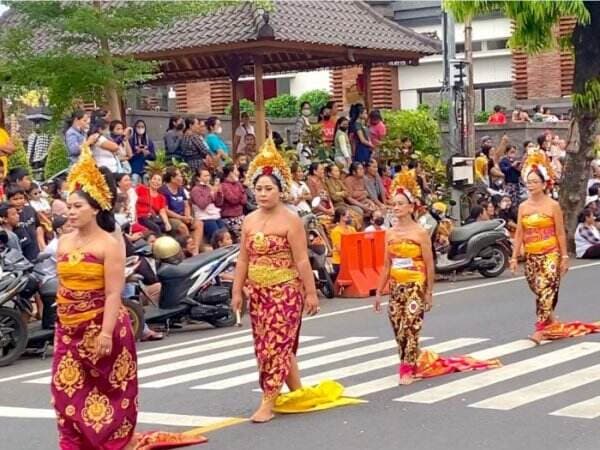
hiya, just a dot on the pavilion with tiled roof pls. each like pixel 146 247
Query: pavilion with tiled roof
pixel 294 35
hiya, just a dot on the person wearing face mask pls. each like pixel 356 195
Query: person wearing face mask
pixel 343 225
pixel 302 124
pixel 174 136
pixel 143 150
pixel 327 126
pixel 377 223
pixel 215 142
pixel 120 135
pixel 343 150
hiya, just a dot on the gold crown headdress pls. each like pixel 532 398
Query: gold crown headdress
pixel 536 160
pixel 405 183
pixel 85 176
pixel 269 161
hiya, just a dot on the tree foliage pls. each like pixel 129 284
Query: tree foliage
pixel 75 50
pixel 19 157
pixel 58 157
pixel 285 105
pixel 418 125
pixel 246 106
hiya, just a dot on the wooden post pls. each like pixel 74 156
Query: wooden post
pixel 470 91
pixel 235 107
pixel 2 118
pixel 259 99
pixel 367 86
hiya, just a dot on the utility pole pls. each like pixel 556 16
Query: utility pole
pixel 449 90
pixel 470 91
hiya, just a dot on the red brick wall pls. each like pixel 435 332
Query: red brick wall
pixel 384 85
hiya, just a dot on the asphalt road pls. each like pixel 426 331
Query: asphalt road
pixel 204 379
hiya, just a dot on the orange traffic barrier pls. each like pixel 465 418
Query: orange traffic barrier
pixel 361 262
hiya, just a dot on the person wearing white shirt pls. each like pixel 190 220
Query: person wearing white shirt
pixel 245 128
pixel 105 151
pixel 377 222
pixel 299 191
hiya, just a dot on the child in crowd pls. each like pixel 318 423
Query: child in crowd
pixel 9 220
pixel 44 212
pixel 222 238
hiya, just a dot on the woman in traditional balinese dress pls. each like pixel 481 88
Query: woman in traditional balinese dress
pixel 541 233
pixel 94 370
pixel 409 269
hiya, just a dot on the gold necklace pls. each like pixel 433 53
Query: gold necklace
pixel 76 255
pixel 259 239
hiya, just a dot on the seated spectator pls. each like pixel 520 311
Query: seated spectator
pixel 519 115
pixel 9 221
pixel 151 206
pixel 125 186
pixel 357 188
pixel 385 172
pixel 490 209
pixel 592 201
pixel 339 195
pixel 477 214
pixel 28 230
pixel 587 236
pixel 316 178
pixel 300 195
pixel 324 210
pixel 508 213
pixel 204 197
pixel 374 184
pixel 498 117
pixel 377 222
pixel 241 160
pixel 41 206
pixel 595 177
pixel 250 197
pixel 342 225
pixel 58 196
pixel 233 200
pixel 179 210
pixel 142 148
pixel 250 145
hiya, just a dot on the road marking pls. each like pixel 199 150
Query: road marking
pixel 205 373
pixel 588 409
pixel 306 364
pixel 391 381
pixel 151 418
pixel 488 378
pixel 539 391
pixel 380 363
pixel 217 426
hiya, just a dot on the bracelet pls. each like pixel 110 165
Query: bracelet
pixel 106 335
pixel 565 256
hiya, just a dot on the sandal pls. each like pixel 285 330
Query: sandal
pixel 153 336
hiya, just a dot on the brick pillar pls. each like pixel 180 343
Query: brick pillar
pixel 384 87
pixel 566 26
pixel 181 101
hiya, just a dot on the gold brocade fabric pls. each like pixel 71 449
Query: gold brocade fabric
pixel 266 276
pixel 407 250
pixel 539 234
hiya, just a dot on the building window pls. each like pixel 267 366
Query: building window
pixel 486 97
pixel 496 44
pixel 460 46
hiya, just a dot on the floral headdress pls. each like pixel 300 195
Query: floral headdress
pixel 405 183
pixel 537 161
pixel 269 161
pixel 85 176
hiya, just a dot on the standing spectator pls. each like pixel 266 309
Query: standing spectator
pixel 587 236
pixel 302 124
pixel 363 145
pixel 250 146
pixel 299 191
pixel 498 118
pixel 233 201
pixel 386 178
pixel 333 108
pixel 375 185
pixel 194 150
pixel 519 115
pixel 343 149
pixel 104 150
pixel 245 129
pixel 142 148
pixel 377 130
pixel 151 206
pixel 511 168
pixel 204 197
pixel 28 230
pixel 37 146
pixel 120 136
pixel 58 195
pixel 179 210
pixel 217 147
pixel 327 126
pixel 174 137
pixel 76 134
pixel 249 188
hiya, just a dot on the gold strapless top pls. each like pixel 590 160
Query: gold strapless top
pixel 407 261
pixel 270 260
pixel 539 234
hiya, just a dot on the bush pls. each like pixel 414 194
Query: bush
pixel 442 112
pixel 317 99
pixel 282 106
pixel 19 157
pixel 422 129
pixel 57 159
pixel 245 106
pixel 482 117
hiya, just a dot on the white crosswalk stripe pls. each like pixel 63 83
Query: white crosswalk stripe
pixel 367 365
pixel 488 378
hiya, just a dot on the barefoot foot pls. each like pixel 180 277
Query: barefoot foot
pixel 406 379
pixel 263 414
pixel 537 337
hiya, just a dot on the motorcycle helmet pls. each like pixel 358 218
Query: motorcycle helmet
pixel 165 247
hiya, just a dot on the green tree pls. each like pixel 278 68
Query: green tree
pixel 285 105
pixel 58 157
pixel 245 106
pixel 317 99
pixel 418 125
pixel 80 58
pixel 19 157
pixel 533 24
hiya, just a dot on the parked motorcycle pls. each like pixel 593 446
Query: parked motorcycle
pixel 481 246
pixel 319 249
pixel 191 288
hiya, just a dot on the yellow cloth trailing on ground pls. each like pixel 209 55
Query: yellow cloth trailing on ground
pixel 325 395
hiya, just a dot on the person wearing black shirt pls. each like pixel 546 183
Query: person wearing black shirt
pixel 27 229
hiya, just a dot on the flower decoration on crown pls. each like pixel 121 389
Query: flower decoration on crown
pixel 269 161
pixel 407 180
pixel 85 176
pixel 537 161
pixel 401 191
